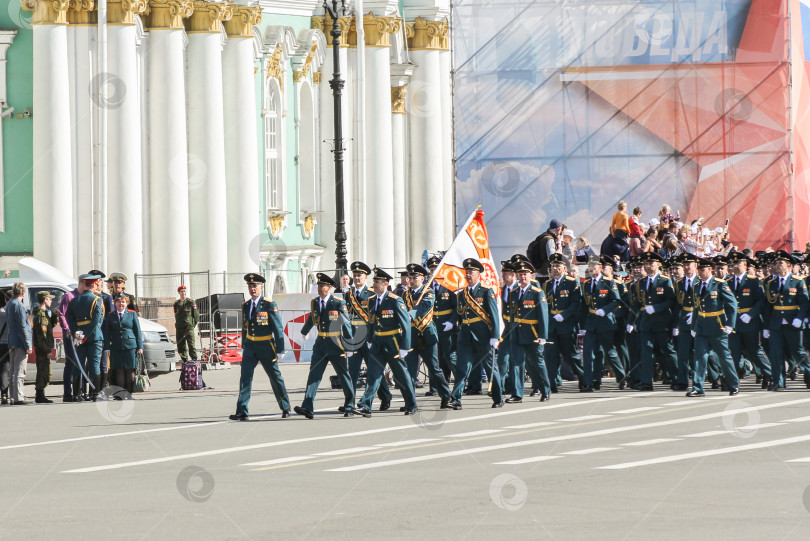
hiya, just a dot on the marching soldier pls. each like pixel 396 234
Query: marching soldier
pixel 750 303
pixel 402 286
pixel 720 264
pixel 479 328
pixel 262 342
pixel 601 300
pixel 619 334
pixel 713 320
pixel 85 314
pixel 785 310
pixel 424 337
pixel 445 317
pixel 633 337
pixel 684 314
pixel 503 365
pixel 654 298
pixel 564 298
pixel 186 317
pixel 357 302
pixel 528 327
pixel 329 315
pixel 389 344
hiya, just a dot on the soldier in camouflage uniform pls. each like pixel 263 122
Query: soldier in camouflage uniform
pixel 44 320
pixel 186 317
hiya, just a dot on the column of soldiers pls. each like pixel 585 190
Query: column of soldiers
pixel 688 319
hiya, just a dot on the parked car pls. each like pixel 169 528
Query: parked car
pixel 159 352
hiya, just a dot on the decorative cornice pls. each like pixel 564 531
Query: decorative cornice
pixel 276 223
pixel 376 30
pixel 309 226
pixel 167 14
pixel 428 35
pixel 274 67
pixel 46 11
pixel 82 13
pixel 398 94
pixel 324 24
pixel 208 17
pixel 122 12
pixel 300 75
pixel 242 22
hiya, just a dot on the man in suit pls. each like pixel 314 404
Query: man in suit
pixel 262 342
pixel 501 371
pixel 750 303
pixel 712 322
pixel 480 327
pixel 419 301
pixel 329 315
pixel 682 325
pixel 601 301
pixel 389 344
pixel 85 314
pixel 357 299
pixel 446 319
pixel 564 298
pixel 786 307
pixel 528 328
pixel 653 301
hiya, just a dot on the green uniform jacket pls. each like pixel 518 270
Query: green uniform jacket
pixel 506 310
pixel 566 301
pixel 422 325
pixel 444 308
pixel 661 297
pixel 390 324
pixel 792 302
pixel 604 296
pixel 685 303
pixel 528 317
pixel 333 324
pixel 44 321
pixel 85 313
pixel 358 311
pixel 186 314
pixel 750 300
pixel 715 309
pixel 262 334
pixel 472 325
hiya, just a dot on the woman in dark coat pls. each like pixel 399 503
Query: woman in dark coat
pixel 122 337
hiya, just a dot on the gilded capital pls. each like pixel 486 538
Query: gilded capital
pixel 208 17
pixel 82 13
pixel 316 77
pixel 428 35
pixel 375 29
pixel 398 94
pixel 324 24
pixel 274 70
pixel 242 22
pixel 167 14
pixel 122 12
pixel 46 11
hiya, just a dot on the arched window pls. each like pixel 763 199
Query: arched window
pixel 273 181
pixel 307 154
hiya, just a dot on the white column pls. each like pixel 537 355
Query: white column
pixel 445 91
pixel 168 149
pixel 241 144
pixel 52 164
pixel 124 151
pixel 400 75
pixel 6 39
pixel 206 137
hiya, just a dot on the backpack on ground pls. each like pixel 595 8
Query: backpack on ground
pixel 191 376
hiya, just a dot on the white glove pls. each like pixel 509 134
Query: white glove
pixel 693 333
pixel 446 326
pixel 784 321
pixel 797 323
pixel 649 309
pixel 689 318
pixel 582 332
pixel 493 343
pixel 541 341
pixel 745 318
pixel 766 333
pixel 403 353
pixel 728 330
pixel 629 329
pixel 599 313
pixel 558 318
pixel 675 332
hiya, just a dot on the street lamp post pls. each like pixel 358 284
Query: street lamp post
pixel 337 90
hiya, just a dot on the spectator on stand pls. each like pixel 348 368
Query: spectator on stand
pixel 620 220
pixel 665 217
pixel 670 249
pixel 583 250
pixel 567 248
pixel 541 248
pixel 636 234
pixel 651 243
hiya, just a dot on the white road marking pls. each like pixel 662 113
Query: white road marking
pixel 406 442
pixel 590 451
pixel 681 403
pixel 476 433
pixel 566 437
pixel 279 460
pixel 747 428
pixel 706 434
pixel 797 460
pixel 710 452
pixel 345 451
pixel 240 448
pixel 797 420
pixel 532 425
pixel 649 442
pixel 583 418
pixel 526 460
pixel 637 410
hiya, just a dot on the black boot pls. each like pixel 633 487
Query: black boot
pixel 41 399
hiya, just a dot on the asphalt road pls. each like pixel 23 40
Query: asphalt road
pixel 609 465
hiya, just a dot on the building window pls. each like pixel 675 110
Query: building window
pixel 273 181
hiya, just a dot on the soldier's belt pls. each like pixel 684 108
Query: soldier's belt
pixel 258 338
pixel 328 334
pixel 388 333
pixel 358 322
pixel 591 311
pixel 711 314
pixel 526 321
pixel 785 307
pixel 687 308
pixel 443 313
pixel 80 323
pixel 471 320
pixel 555 312
pixel 743 310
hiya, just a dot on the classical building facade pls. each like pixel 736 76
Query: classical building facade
pixel 204 141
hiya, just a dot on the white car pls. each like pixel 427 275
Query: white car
pixel 158 351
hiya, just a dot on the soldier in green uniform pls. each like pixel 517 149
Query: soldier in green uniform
pixel 186 317
pixel 750 304
pixel 446 319
pixel 601 300
pixel 262 342
pixel 633 337
pixel 564 298
pixel 84 316
pixel 119 286
pixel 619 335
pixel 713 320
pixel 44 320
pixel 684 313
pixel 327 314
pixel 502 370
